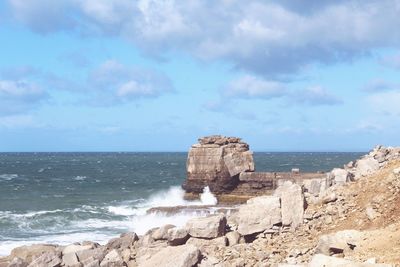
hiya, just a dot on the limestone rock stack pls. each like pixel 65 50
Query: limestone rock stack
pixel 216 161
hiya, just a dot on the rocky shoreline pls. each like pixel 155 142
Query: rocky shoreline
pixel 348 218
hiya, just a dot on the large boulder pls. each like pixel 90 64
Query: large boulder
pixel 340 176
pixel 259 214
pixel 207 227
pixel 216 161
pixel 366 166
pixel 27 253
pixel 180 256
pixel 292 204
pixel 339 242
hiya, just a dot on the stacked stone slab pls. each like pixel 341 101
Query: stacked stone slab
pixel 216 161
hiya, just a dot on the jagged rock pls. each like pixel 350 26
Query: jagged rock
pixel 259 214
pixel 162 232
pixel 292 204
pixel 315 186
pixel 48 259
pixel 126 240
pixel 339 242
pixel 112 259
pixel 177 236
pixel 216 162
pixel 340 176
pixel 26 253
pixel 180 256
pixel 207 227
pixel 92 254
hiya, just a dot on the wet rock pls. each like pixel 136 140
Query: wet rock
pixel 259 214
pixel 207 227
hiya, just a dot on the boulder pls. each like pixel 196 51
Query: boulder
pixel 292 204
pixel 126 240
pixel 217 162
pixel 339 242
pixel 207 227
pixel 340 176
pixel 92 254
pixel 75 248
pixel 180 256
pixel 162 232
pixel 201 243
pixel 17 262
pixel 177 236
pixel 259 214
pixel 70 259
pixel 233 238
pixel 112 259
pixel 365 166
pixel 48 259
pixel 26 253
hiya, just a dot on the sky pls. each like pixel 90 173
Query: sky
pixel 155 75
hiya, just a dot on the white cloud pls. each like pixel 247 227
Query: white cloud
pixel 379 85
pixel 269 38
pixel 114 82
pixel 19 96
pixel 249 86
pixel 315 96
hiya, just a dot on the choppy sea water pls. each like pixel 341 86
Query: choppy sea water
pixel 70 197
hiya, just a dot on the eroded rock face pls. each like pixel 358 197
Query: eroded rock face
pixel 216 161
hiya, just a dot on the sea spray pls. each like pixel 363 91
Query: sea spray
pixel 207 198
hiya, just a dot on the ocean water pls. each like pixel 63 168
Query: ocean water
pixel 70 197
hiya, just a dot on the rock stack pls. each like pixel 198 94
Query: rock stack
pixel 216 161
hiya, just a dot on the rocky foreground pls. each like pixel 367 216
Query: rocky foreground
pixel 353 222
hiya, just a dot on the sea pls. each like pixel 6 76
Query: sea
pixel 64 198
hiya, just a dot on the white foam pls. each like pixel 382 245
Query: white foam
pixel 207 198
pixel 79 178
pixel 8 177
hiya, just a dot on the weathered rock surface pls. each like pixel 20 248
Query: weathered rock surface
pixel 207 227
pixel 292 204
pixel 26 253
pixel 340 176
pixel 339 242
pixel 259 214
pixel 217 162
pixel 177 236
pixel 180 256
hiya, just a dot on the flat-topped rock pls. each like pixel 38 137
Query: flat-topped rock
pixel 216 161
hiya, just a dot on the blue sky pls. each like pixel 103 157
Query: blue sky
pixel 154 75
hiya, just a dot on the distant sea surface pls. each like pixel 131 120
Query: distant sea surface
pixel 69 197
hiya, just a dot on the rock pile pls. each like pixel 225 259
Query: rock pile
pixel 354 222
